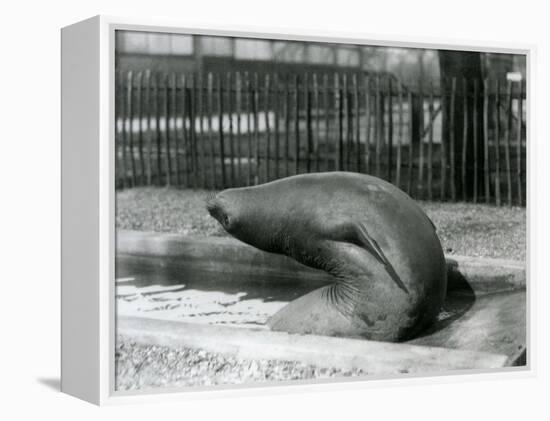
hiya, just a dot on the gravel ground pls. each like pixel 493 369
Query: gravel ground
pixel 464 228
pixel 149 366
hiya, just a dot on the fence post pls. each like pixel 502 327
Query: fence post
pixel 326 101
pixel 158 107
pixel 182 112
pixel 249 100
pixel 444 139
pixel 149 114
pixel 390 129
pixel 508 141
pixel 486 93
pixel 367 123
pixel 465 139
pixel 166 131
pixel 317 127
pixel 199 158
pixel 121 130
pixel 130 110
pixel 307 111
pixel 287 127
pixel 194 87
pixel 430 142
pixel 267 88
pixel 174 113
pixel 356 123
pixel 520 128
pixel 399 134
pixel 230 118
pixel 497 143
pixel 452 137
pixel 297 125
pixel 219 86
pixel 255 107
pixel 475 129
pixel 238 110
pixel 411 137
pixel 378 119
pixel 139 114
pixel 347 119
pixel 210 111
pixel 420 188
pixel 276 106
pixel 338 110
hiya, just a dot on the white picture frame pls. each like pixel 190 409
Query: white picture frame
pixel 88 212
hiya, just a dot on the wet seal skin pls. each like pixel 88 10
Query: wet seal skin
pixel 381 248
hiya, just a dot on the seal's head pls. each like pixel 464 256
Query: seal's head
pixel 237 212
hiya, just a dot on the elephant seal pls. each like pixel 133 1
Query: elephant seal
pixel 381 248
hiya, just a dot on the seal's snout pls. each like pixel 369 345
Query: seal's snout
pixel 211 203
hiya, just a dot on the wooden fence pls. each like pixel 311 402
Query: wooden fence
pixel 239 129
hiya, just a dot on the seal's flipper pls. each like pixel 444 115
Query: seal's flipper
pixel 357 234
pixel 314 314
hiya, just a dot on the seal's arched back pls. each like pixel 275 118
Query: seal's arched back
pixel 382 250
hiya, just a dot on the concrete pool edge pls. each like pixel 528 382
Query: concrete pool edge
pixel 222 253
pixel 375 358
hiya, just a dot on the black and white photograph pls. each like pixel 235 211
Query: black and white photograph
pixel 295 211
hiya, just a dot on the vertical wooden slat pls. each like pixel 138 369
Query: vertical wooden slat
pixel 486 94
pixel 347 119
pixel 267 90
pixel 317 125
pixel 238 110
pixel 519 146
pixel 121 111
pixel 475 136
pixel 390 128
pixel 195 90
pixel 338 110
pixel 296 125
pixel 497 143
pixel 326 101
pixel 378 119
pixel 452 106
pixel 174 110
pixel 430 142
pixel 139 116
pixel 199 138
pixel 508 138
pixel 444 139
pixel 130 111
pixel 420 187
pixel 276 107
pixel 411 149
pixel 399 134
pixel 367 124
pixel 221 140
pixel 287 127
pixel 148 118
pixel 229 108
pixel 307 108
pixel 166 131
pixel 465 134
pixel 182 100
pixel 158 115
pixel 211 137
pixel 249 100
pixel 255 109
pixel 356 124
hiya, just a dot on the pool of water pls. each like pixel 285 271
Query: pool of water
pixel 159 289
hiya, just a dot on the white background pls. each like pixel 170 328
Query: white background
pixel 30 179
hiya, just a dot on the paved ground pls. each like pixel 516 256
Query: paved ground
pixel 464 229
pixel 149 366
